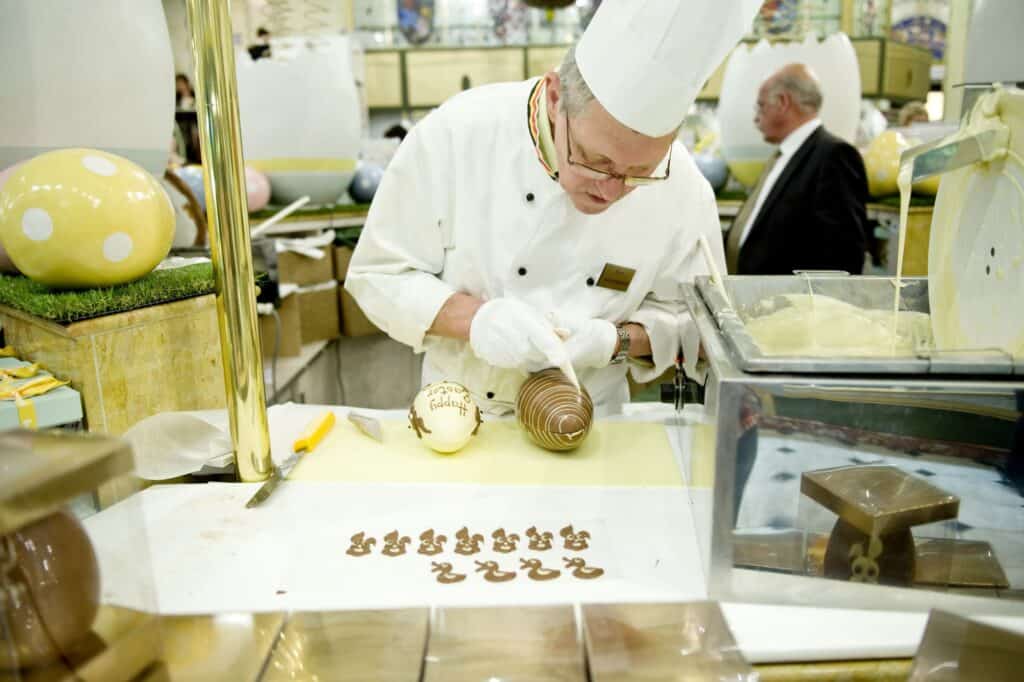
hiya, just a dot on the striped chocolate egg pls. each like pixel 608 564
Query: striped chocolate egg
pixel 553 412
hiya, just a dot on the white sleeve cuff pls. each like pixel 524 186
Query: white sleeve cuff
pixel 662 331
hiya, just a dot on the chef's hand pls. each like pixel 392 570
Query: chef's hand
pixel 590 343
pixel 510 334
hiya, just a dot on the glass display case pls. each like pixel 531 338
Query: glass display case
pixel 57 618
pixel 880 481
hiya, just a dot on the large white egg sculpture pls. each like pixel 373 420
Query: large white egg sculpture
pixel 444 416
pixel 833 60
pixel 300 115
pixel 94 74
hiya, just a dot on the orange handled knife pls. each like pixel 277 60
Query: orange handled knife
pixel 314 432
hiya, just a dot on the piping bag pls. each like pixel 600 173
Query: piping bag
pixel 566 366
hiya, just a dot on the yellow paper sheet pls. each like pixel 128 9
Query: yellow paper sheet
pixel 614 454
pixel 702 462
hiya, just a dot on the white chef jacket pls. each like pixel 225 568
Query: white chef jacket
pixel 467 206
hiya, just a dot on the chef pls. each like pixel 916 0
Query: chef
pixel 536 224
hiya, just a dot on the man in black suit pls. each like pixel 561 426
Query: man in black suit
pixel 807 210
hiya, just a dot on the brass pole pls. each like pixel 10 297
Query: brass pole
pixel 228 220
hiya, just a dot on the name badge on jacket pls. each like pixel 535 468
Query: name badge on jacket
pixel 615 277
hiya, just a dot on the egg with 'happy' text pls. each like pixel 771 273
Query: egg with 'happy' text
pixel 444 416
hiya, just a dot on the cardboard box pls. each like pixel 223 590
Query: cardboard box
pixel 298 269
pixel 353 321
pixel 318 313
pixel 342 257
pixel 290 341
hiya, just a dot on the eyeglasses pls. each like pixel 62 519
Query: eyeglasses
pixel 598 174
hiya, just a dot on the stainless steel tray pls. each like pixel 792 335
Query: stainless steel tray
pixel 876 293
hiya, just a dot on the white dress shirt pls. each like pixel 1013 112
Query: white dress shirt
pixel 788 147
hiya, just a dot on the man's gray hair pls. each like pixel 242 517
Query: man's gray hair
pixel 803 88
pixel 575 93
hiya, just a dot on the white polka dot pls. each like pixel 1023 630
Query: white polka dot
pixel 117 247
pixel 99 165
pixel 37 224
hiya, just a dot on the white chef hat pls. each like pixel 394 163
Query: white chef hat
pixel 646 60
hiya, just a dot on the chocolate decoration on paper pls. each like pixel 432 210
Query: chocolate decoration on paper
pixel 535 571
pixel 581 570
pixel 361 545
pixel 493 573
pixel 431 544
pixel 576 541
pixel 504 543
pixel 539 542
pixel 445 573
pixel 394 545
pixel 467 544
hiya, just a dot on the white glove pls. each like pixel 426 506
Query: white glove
pixel 510 334
pixel 591 343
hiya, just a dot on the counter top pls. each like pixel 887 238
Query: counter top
pixel 292 550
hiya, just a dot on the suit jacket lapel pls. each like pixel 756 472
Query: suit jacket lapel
pixel 795 162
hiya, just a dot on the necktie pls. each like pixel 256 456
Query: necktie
pixel 739 224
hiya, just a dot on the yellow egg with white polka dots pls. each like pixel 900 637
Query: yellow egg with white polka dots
pixel 882 162
pixel 81 218
pixel 928 185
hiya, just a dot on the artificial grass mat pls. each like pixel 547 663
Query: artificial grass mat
pixel 65 307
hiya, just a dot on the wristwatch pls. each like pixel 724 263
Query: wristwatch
pixel 623 354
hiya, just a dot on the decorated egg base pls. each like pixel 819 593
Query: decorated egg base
pixel 160 286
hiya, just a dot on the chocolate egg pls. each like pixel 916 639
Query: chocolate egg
pixel 51 590
pixel 555 414
pixel 855 556
pixel 444 416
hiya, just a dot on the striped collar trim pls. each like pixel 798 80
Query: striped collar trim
pixel 533 115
